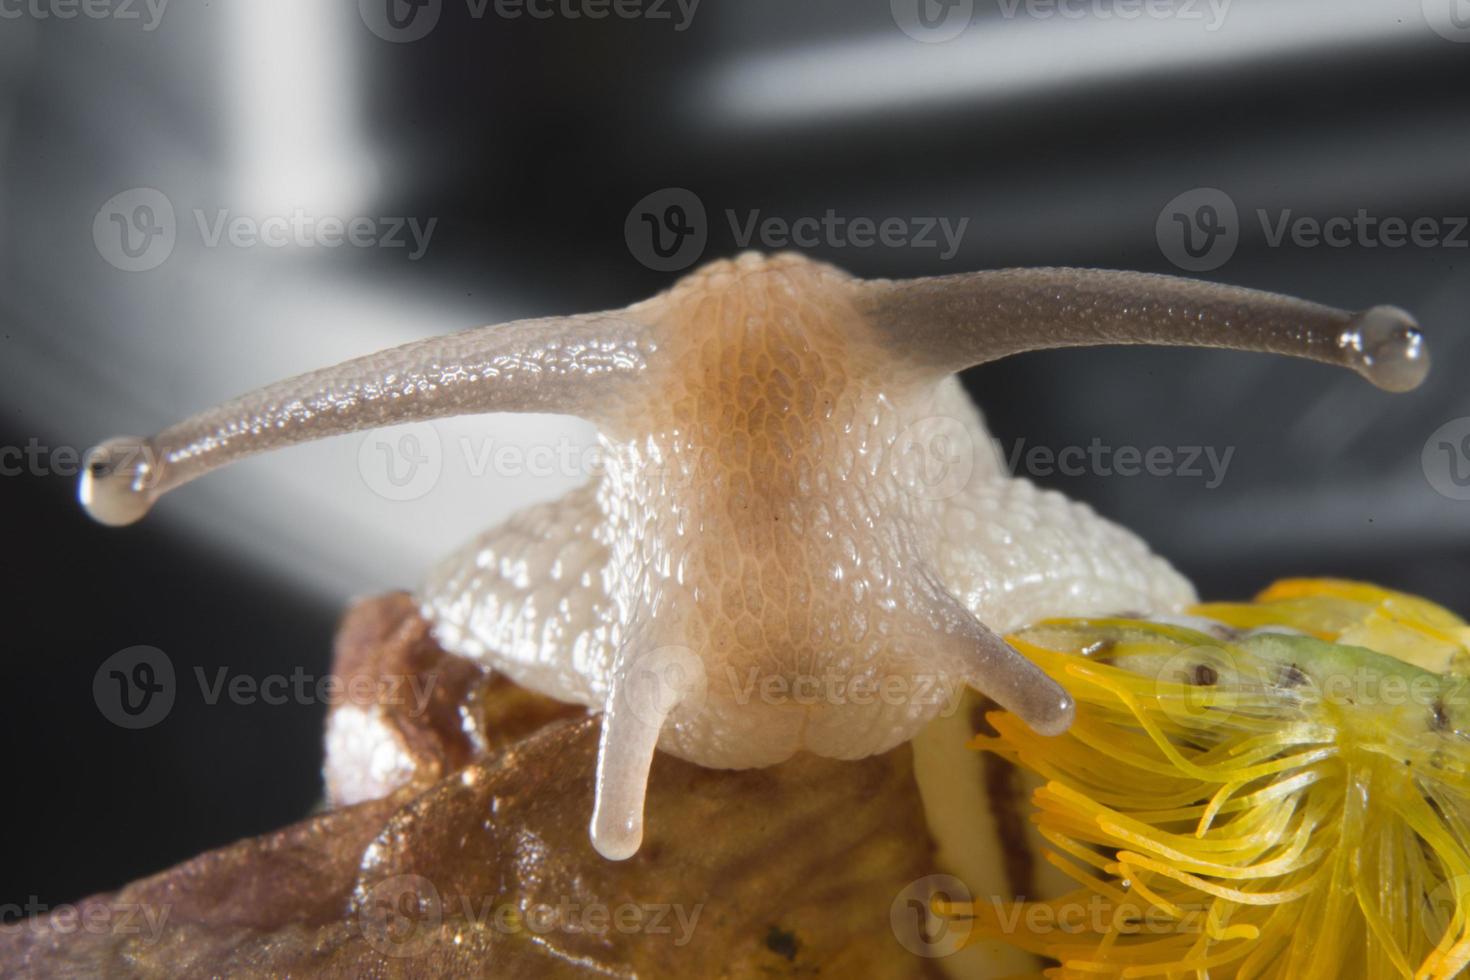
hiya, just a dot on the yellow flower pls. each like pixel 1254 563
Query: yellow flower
pixel 1278 789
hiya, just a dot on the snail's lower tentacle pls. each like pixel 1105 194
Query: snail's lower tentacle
pixel 984 660
pixel 646 686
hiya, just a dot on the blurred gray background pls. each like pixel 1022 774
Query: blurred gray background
pixel 196 199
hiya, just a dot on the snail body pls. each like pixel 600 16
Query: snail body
pixel 801 538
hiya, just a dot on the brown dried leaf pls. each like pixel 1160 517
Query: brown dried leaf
pixel 484 868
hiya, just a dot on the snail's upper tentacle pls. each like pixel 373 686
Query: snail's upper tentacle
pixel 953 322
pixel 569 365
pixel 579 365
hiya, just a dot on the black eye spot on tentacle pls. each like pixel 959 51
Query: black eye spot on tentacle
pixel 1292 676
pixel 1439 716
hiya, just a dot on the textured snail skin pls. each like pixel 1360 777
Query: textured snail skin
pixel 802 537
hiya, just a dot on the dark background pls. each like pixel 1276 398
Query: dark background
pixel 1060 139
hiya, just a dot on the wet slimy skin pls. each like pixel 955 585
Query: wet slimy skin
pixel 770 561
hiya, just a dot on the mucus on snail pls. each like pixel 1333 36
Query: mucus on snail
pixel 762 511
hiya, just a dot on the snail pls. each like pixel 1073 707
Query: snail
pixel 766 522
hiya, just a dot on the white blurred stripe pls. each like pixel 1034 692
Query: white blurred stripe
pixel 1003 58
pixel 295 103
